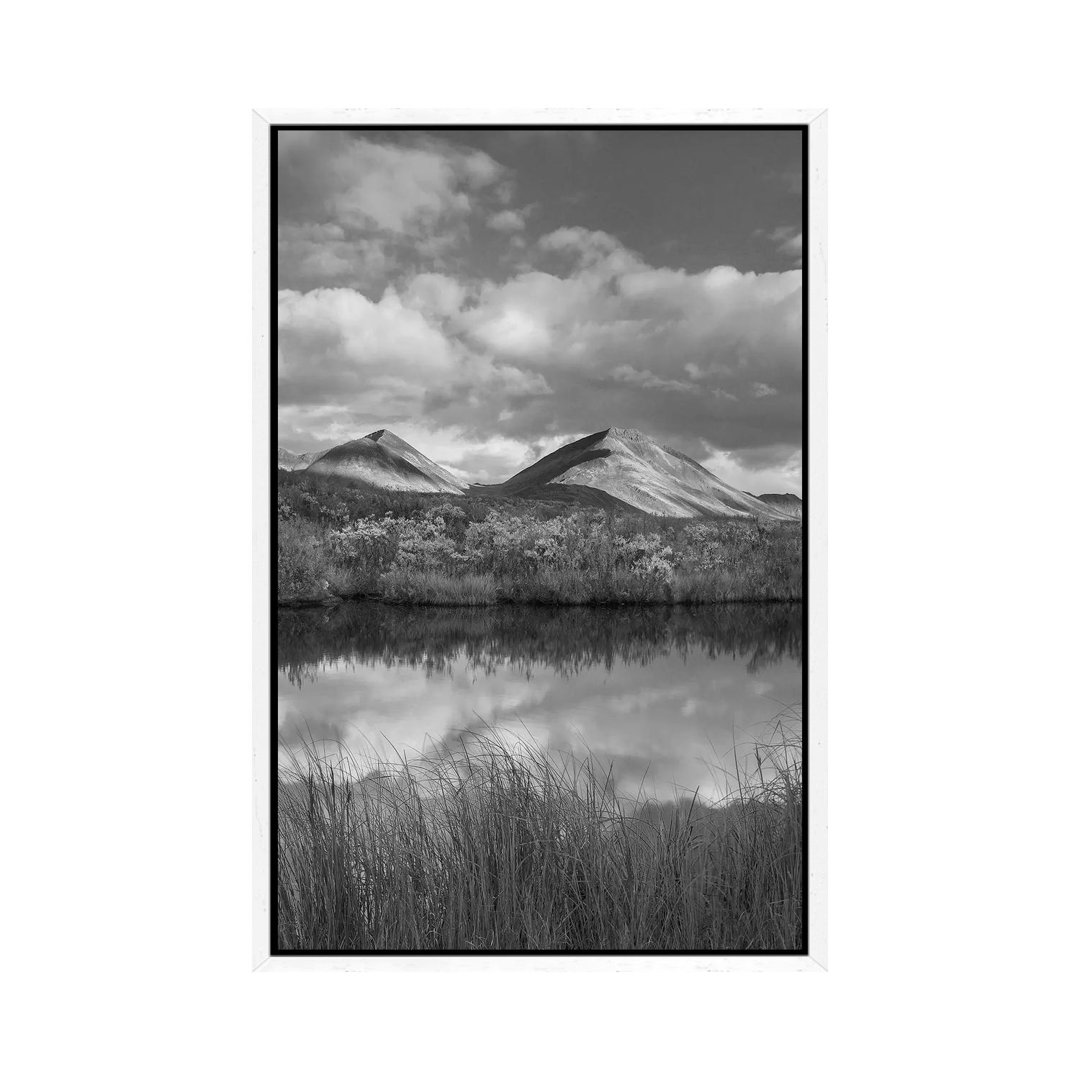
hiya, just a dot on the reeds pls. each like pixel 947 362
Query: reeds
pixel 433 587
pixel 500 845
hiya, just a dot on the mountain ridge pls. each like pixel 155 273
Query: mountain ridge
pixel 789 504
pixel 291 462
pixel 387 438
pixel 384 461
pixel 631 467
pixel 616 468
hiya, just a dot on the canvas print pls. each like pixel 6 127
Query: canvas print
pixel 539 430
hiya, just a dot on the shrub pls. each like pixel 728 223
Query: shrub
pixel 308 566
pixel 303 559
pixel 523 551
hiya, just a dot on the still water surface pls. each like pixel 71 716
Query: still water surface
pixel 671 695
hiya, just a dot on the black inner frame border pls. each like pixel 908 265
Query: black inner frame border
pixel 275 950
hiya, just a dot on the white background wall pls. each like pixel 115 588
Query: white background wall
pixel 127 431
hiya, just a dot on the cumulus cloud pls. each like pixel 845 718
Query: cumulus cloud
pixel 355 210
pixel 359 182
pixel 335 344
pixel 769 470
pixel 370 363
pixel 507 221
pixel 589 248
pixel 435 295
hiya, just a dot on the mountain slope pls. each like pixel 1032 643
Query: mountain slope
pixel 631 467
pixel 414 457
pixel 384 461
pixel 786 504
pixel 289 461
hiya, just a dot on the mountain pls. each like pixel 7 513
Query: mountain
pixel 384 461
pixel 414 457
pixel 628 467
pixel 786 504
pixel 289 461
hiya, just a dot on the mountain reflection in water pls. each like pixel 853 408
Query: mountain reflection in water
pixel 670 692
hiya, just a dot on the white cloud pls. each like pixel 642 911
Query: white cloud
pixel 646 379
pixel 507 221
pixel 777 470
pixel 788 240
pixel 335 344
pixel 589 248
pixel 406 189
pixel 356 210
pixel 511 331
pixel 435 294
pixel 348 364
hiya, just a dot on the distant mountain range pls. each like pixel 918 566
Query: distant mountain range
pixel 617 467
pixel 789 504
pixel 289 461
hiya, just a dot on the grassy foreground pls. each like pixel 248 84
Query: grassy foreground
pixel 500 847
pixel 476 551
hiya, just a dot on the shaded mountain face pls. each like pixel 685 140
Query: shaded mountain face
pixel 632 469
pixel 382 460
pixel 786 504
pixel 289 461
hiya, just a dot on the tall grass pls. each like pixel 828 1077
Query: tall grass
pixel 503 846
pixel 428 587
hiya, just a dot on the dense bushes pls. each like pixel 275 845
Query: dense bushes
pixel 471 551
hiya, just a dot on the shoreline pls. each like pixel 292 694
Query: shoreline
pixel 299 604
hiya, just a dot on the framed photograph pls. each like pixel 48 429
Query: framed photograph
pixel 539 480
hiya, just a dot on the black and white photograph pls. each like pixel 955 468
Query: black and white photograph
pixel 509 569
pixel 539 540
pixel 519 543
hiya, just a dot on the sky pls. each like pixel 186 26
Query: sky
pixel 492 295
